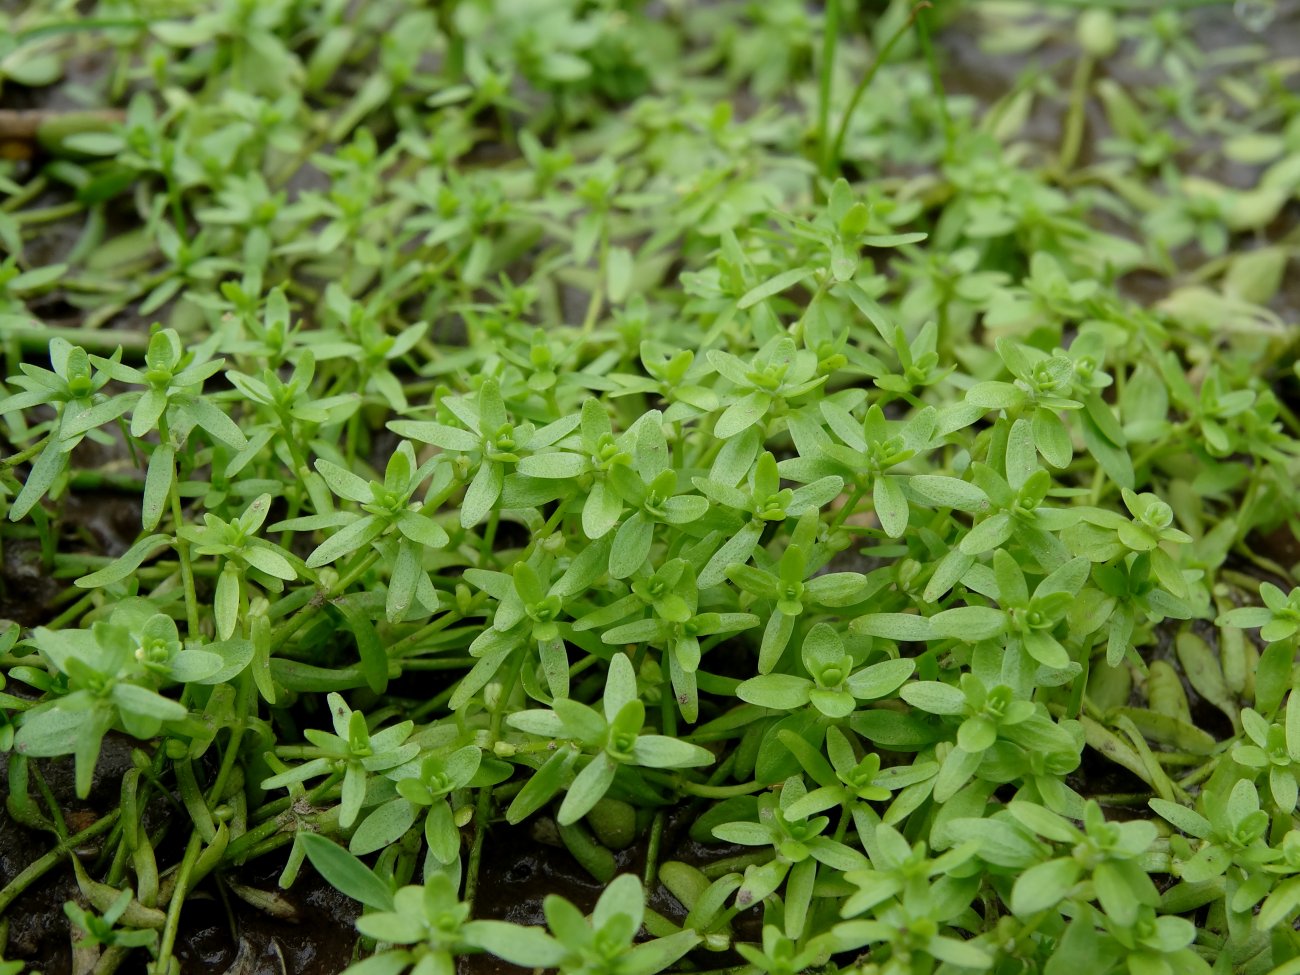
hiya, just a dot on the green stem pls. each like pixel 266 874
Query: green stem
pixel 29 191
pixel 355 571
pixel 825 84
pixel 231 754
pixel 1072 134
pixel 483 803
pixel 48 214
pixel 597 300
pixel 72 612
pixel 837 148
pixel 102 481
pixel 652 849
pixel 849 507
pixel 56 814
pixel 489 535
pixel 360 565
pixel 705 791
pixel 162 964
pixel 243 847
pixel 936 78
pixel 38 868
pixel 409 644
pixel 736 864
pixel 182 546
pixel 24 455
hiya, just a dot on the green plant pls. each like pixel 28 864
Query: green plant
pixel 526 419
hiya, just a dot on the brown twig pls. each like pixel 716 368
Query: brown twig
pixel 26 124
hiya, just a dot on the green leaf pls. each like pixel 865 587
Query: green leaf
pixel 742 414
pixel 438 434
pixel 776 637
pixel 541 786
pixel 49 465
pixel 374 658
pixel 1052 438
pixel 948 492
pixel 553 465
pixel 631 545
pixel 654 956
pixel 781 692
pixel 880 680
pixel 660 751
pixel 891 505
pixel 773 286
pixel 618 273
pixel 895 626
pixel 45 734
pixel 1115 461
pixel 934 697
pixel 345 872
pixel 352 538
pixel 383 827
pixel 837 588
pixel 995 395
pixel 587 789
pixel 216 423
pixel 225 604
pixel 1183 818
pixel 987 535
pixel 157 485
pixel 1273 675
pixel 343 482
pixel 734 551
pixel 969 623
pixel 620 686
pixel 525 946
pixel 1044 885
pixel 1281 906
pixel 124 564
pixel 482 494
pixel 267 558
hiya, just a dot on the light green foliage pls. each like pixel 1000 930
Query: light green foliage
pixel 616 419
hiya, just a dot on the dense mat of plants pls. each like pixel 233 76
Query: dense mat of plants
pixel 580 414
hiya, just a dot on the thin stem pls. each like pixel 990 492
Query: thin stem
pixel 231 755
pixel 597 299
pixel 652 849
pixel 936 79
pixel 29 191
pixel 849 507
pixel 56 814
pixel 825 83
pixel 837 148
pixel 38 868
pixel 483 804
pixel 182 546
pixel 24 455
pixel 48 214
pixel 72 612
pixel 704 791
pixel 360 566
pixel 1072 134
pixel 162 964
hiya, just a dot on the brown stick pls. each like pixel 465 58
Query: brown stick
pixel 25 124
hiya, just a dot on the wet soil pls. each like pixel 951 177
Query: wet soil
pixel 522 865
pixel 38 930
pixel 219 931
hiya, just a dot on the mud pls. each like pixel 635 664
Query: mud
pixel 518 872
